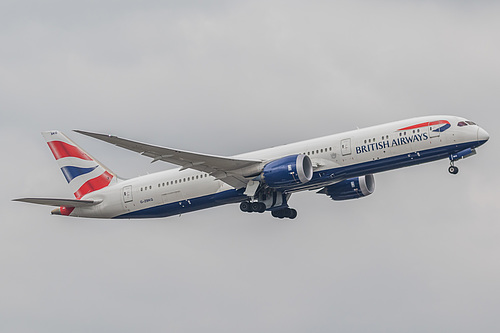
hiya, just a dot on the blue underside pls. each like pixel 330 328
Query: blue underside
pixel 185 206
pixel 319 178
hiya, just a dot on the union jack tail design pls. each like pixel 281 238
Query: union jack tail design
pixel 83 173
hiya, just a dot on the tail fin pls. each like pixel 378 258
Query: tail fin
pixel 83 173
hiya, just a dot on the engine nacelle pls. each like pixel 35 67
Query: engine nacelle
pixel 288 171
pixel 353 188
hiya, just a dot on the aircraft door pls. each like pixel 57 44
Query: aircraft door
pixel 345 146
pixel 127 194
pixel 434 131
pixel 127 199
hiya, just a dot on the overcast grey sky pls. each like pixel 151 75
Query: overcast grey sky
pixel 421 254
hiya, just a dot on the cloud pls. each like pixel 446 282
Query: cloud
pixel 226 78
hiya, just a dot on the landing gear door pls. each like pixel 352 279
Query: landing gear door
pixel 127 194
pixel 345 147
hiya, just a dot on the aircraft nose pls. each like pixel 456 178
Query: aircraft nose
pixel 482 135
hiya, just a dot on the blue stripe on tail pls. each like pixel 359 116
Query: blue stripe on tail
pixel 71 172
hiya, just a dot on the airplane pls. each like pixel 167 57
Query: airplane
pixel 341 166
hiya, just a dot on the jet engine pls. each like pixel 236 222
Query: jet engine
pixel 352 188
pixel 287 172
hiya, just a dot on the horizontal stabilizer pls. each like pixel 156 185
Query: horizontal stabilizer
pixel 59 202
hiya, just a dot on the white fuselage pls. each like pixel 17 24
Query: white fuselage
pixel 335 158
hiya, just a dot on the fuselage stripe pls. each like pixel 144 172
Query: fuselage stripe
pixel 442 128
pixel 432 123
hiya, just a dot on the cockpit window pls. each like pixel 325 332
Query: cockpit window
pixel 462 123
pixel 470 122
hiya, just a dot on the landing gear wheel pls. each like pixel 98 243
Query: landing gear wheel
pixel 258 207
pixel 245 206
pixel 453 170
pixel 285 212
pixel 250 207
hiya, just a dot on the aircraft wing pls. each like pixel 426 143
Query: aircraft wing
pixel 228 170
pixel 59 202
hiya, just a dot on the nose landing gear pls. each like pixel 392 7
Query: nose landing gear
pixel 458 156
pixel 453 169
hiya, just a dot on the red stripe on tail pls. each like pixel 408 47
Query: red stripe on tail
pixel 94 184
pixel 62 149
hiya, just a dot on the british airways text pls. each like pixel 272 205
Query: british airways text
pixel 387 144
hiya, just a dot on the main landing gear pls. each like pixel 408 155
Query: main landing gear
pixel 250 207
pixel 260 207
pixel 285 212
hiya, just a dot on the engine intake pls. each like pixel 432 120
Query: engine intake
pixel 352 188
pixel 288 171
